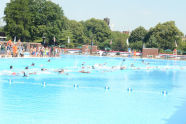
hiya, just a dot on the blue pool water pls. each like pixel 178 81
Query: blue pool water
pixel 27 100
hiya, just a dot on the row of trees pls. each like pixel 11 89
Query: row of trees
pixel 163 36
pixel 31 20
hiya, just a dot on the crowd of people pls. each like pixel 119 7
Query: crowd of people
pixel 11 49
pixel 19 49
pixel 41 51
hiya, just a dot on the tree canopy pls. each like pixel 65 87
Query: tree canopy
pixel 29 20
pixel 119 41
pixel 164 36
pixel 18 19
pixel 97 30
pixel 32 20
pixel 137 38
pixel 138 34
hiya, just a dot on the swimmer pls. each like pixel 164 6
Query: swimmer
pixel 93 67
pixel 113 67
pixel 26 68
pixel 105 63
pixel 61 71
pixel 122 68
pixel 43 69
pixel 33 64
pixel 122 62
pixel 11 67
pixel 82 65
pixel 32 73
pixel 132 65
pixel 83 71
pixel 14 74
pixel 49 60
pixel 147 63
pixel 24 74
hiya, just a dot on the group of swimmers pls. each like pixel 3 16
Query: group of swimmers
pixel 88 68
pixel 28 72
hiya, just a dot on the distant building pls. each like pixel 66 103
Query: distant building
pixel 150 52
pixel 107 20
pixel 184 38
pixel 126 32
pixel 87 49
pixel 2 36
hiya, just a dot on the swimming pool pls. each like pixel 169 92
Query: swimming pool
pixel 149 92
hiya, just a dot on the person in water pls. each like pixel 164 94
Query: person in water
pixel 26 68
pixel 132 65
pixel 83 71
pixel 61 71
pixel 33 64
pixel 122 68
pixel 93 67
pixel 24 74
pixel 11 67
pixel 32 73
pixel 49 60
pixel 13 73
pixel 43 69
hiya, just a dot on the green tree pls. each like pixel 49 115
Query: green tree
pixel 64 37
pixel 97 30
pixel 152 43
pixel 119 41
pixel 1 29
pixel 137 38
pixel 31 19
pixel 77 30
pixel 47 18
pixel 18 19
pixel 182 46
pixel 165 34
pixel 137 45
pixel 138 34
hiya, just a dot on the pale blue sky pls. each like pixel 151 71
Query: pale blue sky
pixel 124 14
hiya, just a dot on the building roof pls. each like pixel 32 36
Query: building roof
pixel 3 37
pixel 150 48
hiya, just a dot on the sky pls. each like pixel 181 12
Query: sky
pixel 124 14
